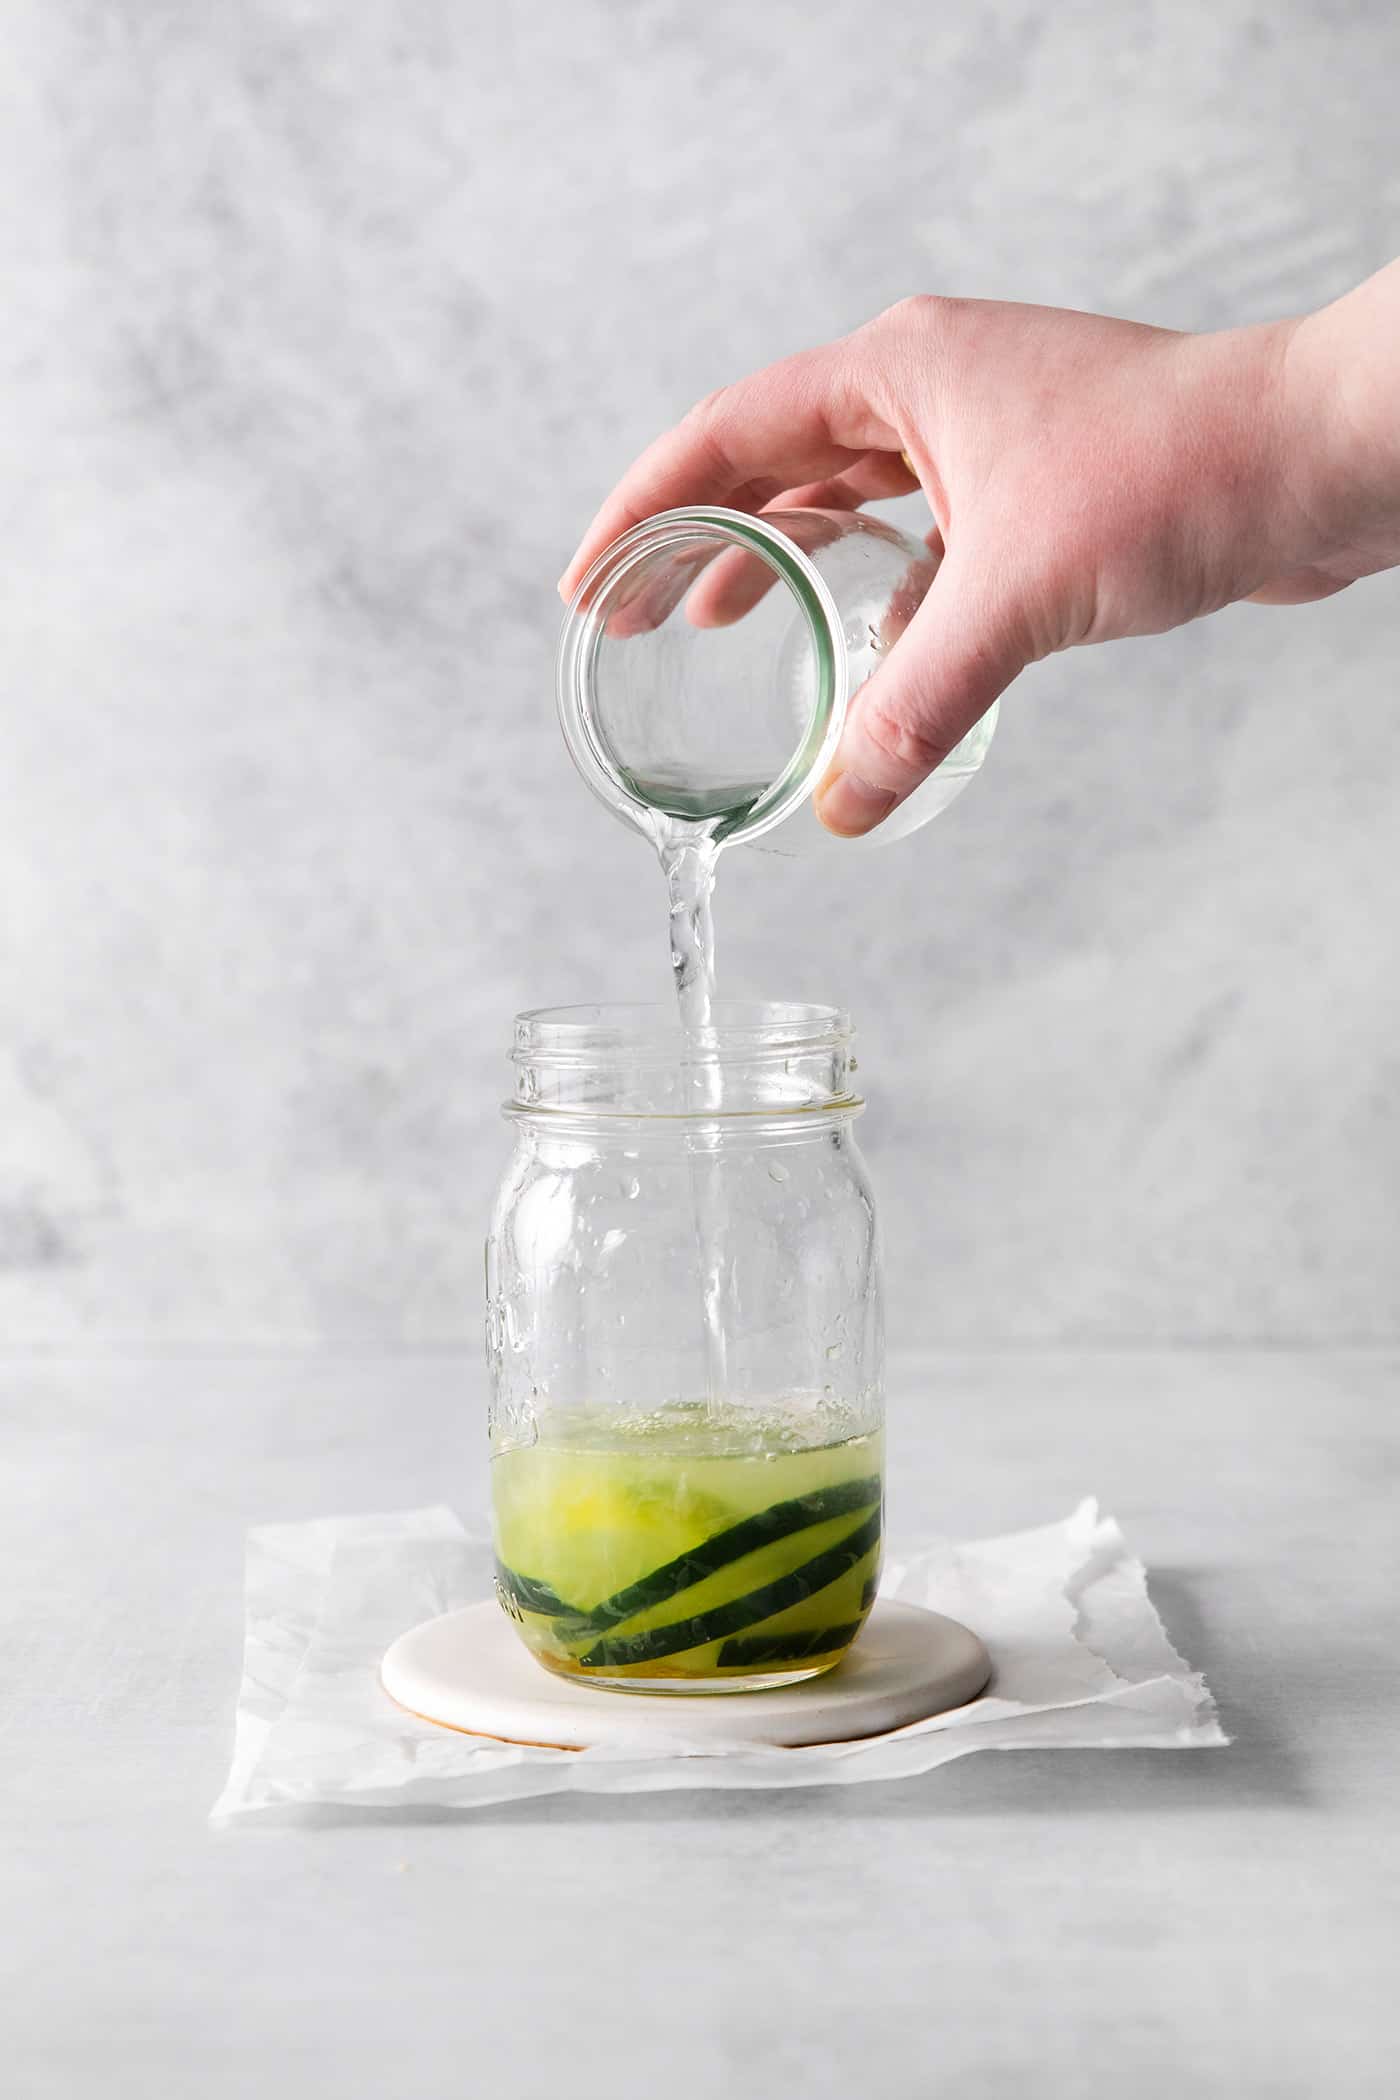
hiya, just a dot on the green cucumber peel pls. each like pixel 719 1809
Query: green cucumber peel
pixel 778 1521
pixel 753 1651
pixel 750 1610
pixel 526 1594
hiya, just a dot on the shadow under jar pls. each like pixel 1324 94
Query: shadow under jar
pixel 685 1343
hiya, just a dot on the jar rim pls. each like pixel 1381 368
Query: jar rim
pixel 631 1025
pixel 585 621
pixel 764 1058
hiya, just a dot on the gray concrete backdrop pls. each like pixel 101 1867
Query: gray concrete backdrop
pixel 323 330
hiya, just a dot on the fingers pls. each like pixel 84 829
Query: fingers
pixel 958 654
pixel 732 581
pixel 875 478
pixel 804 420
pixel 646 598
pixel 729 588
pixel 734 584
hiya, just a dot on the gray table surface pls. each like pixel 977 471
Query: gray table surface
pixel 1065 1923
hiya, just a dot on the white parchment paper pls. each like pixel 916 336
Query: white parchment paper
pixel 1080 1660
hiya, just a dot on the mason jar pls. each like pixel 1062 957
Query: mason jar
pixel 708 660
pixel 685 1346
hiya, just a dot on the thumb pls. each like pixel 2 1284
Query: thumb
pixel 958 654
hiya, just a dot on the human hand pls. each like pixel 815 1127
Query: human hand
pixel 1089 479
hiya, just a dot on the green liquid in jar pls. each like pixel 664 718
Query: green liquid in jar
pixel 699 1545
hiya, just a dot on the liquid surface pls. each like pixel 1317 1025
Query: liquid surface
pixel 725 805
pixel 698 1542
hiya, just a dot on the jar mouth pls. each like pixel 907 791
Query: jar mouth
pixel 626 599
pixel 738 1026
pixel 757 1057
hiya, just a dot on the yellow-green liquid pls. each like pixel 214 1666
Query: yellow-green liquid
pixel 695 1547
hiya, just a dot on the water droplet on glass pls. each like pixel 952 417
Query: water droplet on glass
pixel 778 1173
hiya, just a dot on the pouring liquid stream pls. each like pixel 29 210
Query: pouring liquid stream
pixel 687 850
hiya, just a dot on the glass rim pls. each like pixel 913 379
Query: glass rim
pixel 633 1024
pixel 582 634
pixel 786 1062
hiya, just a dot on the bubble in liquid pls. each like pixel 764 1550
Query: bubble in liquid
pixel 778 1173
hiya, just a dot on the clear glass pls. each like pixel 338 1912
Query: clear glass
pixel 686 1350
pixel 708 659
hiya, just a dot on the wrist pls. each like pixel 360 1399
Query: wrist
pixel 1343 418
pixel 1249 464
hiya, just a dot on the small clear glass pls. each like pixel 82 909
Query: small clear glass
pixel 709 657
pixel 686 1350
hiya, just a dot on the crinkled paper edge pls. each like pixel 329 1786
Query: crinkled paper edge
pixel 1134 1679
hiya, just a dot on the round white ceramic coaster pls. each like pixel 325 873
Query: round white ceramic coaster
pixel 470 1670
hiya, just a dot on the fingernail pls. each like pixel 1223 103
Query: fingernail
pixel 849 805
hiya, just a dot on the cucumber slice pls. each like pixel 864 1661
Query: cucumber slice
pixel 749 1610
pixel 749 1651
pixel 778 1521
pixel 527 1594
